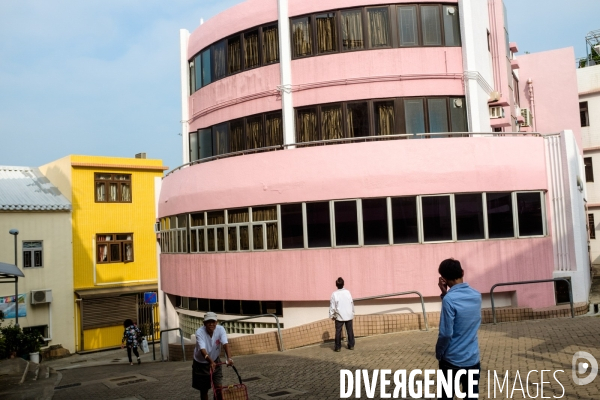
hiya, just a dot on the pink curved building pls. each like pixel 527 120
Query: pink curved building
pixel 368 140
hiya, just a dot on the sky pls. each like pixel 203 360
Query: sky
pixel 102 77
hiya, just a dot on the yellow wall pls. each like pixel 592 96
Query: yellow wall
pixel 76 182
pixel 91 218
pixel 102 337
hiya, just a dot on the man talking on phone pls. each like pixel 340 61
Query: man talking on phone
pixel 457 347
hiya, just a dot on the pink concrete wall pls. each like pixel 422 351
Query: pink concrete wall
pixel 386 168
pixel 373 74
pixel 370 74
pixel 236 19
pixel 300 275
pixel 366 74
pixel 249 92
pixel 555 90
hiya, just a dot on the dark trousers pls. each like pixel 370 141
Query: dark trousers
pixel 135 351
pixel 338 333
pixel 464 379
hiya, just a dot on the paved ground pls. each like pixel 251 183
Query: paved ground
pixel 315 370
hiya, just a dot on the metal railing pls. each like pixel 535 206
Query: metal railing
pixel 180 336
pixel 528 282
pixel 400 294
pixel 353 140
pixel 281 348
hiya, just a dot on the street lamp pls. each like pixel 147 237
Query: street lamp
pixel 15 232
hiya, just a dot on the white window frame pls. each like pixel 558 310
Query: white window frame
pixel 361 230
pixel 305 221
pixel 452 219
pixel 484 208
pixel 359 236
pixel 516 214
pixel 514 219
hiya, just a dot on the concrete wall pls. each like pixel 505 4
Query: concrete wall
pixel 59 173
pixel 54 230
pixel 556 104
pixel 362 170
pixel 588 80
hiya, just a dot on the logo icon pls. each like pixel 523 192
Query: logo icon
pixel 590 365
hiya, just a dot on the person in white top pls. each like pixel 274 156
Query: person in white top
pixel 341 310
pixel 209 339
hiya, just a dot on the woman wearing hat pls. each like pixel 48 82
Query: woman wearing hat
pixel 209 339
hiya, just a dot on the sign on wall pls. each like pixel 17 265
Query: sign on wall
pixel 7 306
pixel 149 298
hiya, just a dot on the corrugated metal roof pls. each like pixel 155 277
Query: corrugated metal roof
pixel 26 189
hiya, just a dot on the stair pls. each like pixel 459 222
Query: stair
pixel 594 299
pixel 26 380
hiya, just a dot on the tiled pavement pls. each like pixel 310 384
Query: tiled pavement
pixel 315 371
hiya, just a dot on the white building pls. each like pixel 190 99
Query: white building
pixel 42 215
pixel 588 81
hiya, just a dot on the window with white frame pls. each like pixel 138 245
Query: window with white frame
pixel 33 254
pixel 360 222
pixel 243 229
pixel 174 234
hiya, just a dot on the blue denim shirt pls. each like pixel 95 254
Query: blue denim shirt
pixel 459 321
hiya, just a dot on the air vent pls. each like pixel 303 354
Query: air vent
pixel 527 117
pixel 41 296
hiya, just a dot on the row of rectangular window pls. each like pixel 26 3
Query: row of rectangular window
pixel 373 28
pixel 366 222
pixel 254 48
pixel 254 132
pixel 329 32
pixel 334 121
pixel 234 307
pixel 381 117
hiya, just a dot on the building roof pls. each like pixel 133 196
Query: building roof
pixel 26 189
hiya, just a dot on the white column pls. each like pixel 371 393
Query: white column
pixel 476 66
pixel 285 66
pixel 573 183
pixel 184 37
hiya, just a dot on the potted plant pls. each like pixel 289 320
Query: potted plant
pixel 11 340
pixel 31 343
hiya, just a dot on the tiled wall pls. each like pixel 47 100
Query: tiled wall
pixel 367 325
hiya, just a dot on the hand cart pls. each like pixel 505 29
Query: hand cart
pixel 230 392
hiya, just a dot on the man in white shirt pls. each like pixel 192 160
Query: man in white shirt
pixel 341 310
pixel 209 339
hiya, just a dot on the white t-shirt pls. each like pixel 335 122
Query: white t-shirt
pixel 212 345
pixel 341 306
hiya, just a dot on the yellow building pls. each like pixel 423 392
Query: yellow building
pixel 114 242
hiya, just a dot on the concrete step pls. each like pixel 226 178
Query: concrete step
pixel 42 371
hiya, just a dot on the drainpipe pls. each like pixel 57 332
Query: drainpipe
pixel 532 100
pixel 285 67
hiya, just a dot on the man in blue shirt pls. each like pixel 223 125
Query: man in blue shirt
pixel 457 347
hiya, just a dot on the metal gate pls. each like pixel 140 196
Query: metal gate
pixel 146 314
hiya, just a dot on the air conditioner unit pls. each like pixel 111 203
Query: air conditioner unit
pixel 497 112
pixel 41 296
pixel 526 114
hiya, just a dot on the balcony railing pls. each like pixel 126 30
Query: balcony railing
pixel 356 140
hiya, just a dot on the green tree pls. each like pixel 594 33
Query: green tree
pixel 593 56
